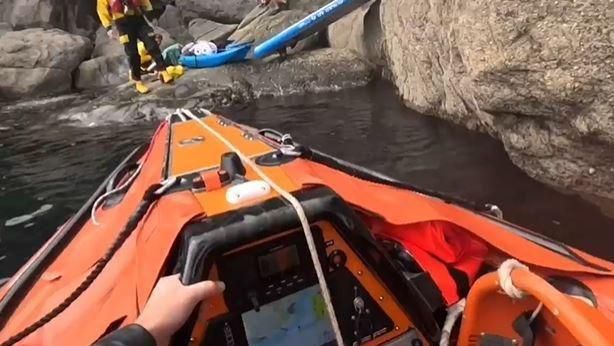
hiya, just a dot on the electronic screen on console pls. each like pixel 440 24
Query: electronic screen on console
pixel 278 261
pixel 298 319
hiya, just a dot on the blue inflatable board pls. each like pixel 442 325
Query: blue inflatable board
pixel 230 54
pixel 309 25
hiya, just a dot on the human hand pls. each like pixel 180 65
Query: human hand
pixel 171 303
pixel 111 33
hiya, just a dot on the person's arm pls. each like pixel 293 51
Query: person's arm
pixel 130 335
pixel 166 310
pixel 104 13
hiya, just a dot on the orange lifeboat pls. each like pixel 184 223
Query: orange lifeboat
pixel 212 199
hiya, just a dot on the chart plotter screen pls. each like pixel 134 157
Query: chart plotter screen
pixel 298 319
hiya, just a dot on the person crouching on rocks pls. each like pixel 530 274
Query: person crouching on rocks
pixel 130 23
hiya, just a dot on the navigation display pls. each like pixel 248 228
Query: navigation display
pixel 298 319
pixel 278 262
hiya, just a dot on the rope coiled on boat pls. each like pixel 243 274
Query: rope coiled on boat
pixel 152 194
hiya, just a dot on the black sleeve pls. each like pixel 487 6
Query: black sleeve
pixel 130 335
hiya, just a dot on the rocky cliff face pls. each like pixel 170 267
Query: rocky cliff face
pixel 39 62
pixel 537 74
pixel 223 11
pixel 226 85
pixel 77 17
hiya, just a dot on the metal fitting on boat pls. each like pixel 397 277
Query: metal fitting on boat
pixel 166 185
pixel 495 211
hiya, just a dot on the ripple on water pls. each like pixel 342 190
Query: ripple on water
pixel 28 217
pixel 43 162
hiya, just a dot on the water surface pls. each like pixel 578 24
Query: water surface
pixel 53 167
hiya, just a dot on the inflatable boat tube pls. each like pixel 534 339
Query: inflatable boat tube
pixel 228 55
pixel 309 25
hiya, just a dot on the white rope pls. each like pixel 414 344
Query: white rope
pixel 536 312
pixel 454 312
pixel 505 278
pixel 178 112
pixel 505 281
pixel 119 188
pixel 299 211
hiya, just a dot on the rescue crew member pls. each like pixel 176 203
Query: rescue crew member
pixel 167 309
pixel 127 15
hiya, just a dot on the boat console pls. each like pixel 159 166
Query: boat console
pixel 272 295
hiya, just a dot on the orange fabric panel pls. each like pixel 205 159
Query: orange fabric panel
pixel 114 292
pixel 87 246
pixel 157 237
pixel 209 151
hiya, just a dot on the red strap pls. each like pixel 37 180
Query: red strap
pixel 212 180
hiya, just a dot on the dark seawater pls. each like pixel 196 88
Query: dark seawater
pixel 48 169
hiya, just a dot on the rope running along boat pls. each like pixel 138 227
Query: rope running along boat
pixel 313 250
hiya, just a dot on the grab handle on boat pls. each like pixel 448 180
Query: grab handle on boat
pixel 580 319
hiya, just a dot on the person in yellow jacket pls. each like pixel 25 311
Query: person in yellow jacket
pixel 127 15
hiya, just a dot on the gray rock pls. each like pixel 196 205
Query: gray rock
pixel 6 7
pixel 37 62
pixel 102 71
pixel 537 75
pixel 170 18
pixel 266 22
pixel 26 82
pixel 167 38
pixel 318 70
pixel 315 71
pixel 33 48
pixel 306 5
pixel 172 22
pixel 223 11
pixel 106 46
pixel 4 28
pixel 161 4
pixel 204 29
pixel 72 16
pixel 360 32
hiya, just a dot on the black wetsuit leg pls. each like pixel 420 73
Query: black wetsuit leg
pixel 146 35
pixel 128 29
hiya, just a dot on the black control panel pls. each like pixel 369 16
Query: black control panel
pixel 267 272
pixel 273 297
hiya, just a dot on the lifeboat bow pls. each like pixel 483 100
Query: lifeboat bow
pixel 314 250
